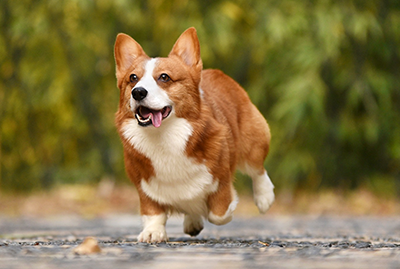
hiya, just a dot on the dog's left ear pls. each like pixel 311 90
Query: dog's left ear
pixel 187 47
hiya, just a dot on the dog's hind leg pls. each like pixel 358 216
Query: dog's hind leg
pixel 255 139
pixel 263 189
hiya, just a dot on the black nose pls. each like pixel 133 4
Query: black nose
pixel 139 93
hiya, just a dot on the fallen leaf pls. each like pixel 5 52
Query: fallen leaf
pixel 88 246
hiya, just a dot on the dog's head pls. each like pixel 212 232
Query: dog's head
pixel 155 89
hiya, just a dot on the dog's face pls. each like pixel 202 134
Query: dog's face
pixel 155 89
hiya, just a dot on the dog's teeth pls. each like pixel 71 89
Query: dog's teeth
pixel 142 120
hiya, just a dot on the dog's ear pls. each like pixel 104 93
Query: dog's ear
pixel 126 50
pixel 187 47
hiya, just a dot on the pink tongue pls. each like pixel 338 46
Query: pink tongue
pixel 156 118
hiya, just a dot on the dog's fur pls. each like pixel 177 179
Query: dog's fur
pixel 185 131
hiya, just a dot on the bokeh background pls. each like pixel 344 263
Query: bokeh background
pixel 325 74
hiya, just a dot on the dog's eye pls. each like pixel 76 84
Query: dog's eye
pixel 164 77
pixel 133 78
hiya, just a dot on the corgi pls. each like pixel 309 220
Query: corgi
pixel 184 132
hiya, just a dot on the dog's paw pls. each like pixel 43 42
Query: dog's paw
pixel 263 191
pixel 192 225
pixel 154 229
pixel 221 220
pixel 264 200
pixel 217 220
pixel 155 234
pixel 227 217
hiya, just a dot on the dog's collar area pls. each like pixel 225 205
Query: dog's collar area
pixel 147 116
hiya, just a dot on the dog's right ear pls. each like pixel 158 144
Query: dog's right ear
pixel 126 50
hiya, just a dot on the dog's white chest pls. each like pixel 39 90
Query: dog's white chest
pixel 178 179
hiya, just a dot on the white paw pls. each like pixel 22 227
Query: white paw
pixel 154 229
pixel 263 190
pixel 264 200
pixel 155 234
pixel 192 225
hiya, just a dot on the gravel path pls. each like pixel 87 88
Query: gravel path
pixel 263 242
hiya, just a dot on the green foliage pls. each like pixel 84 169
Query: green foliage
pixel 324 73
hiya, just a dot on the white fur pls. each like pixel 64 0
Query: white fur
pixel 201 93
pixel 263 189
pixel 263 192
pixel 179 181
pixel 156 97
pixel 153 229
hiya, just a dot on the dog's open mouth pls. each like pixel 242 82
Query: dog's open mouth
pixel 147 116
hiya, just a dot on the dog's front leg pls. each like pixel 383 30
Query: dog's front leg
pixel 222 203
pixel 154 218
pixel 153 228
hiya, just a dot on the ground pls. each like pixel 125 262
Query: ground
pixel 327 230
pixel 256 242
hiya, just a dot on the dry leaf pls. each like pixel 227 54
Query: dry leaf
pixel 88 246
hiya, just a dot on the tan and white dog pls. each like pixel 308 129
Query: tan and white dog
pixel 185 131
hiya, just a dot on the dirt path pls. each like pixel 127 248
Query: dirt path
pixel 265 242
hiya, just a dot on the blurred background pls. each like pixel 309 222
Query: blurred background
pixel 325 74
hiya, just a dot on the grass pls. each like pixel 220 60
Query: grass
pixel 92 201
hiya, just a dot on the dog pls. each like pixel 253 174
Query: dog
pixel 184 132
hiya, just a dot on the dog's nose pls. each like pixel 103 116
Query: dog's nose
pixel 139 93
